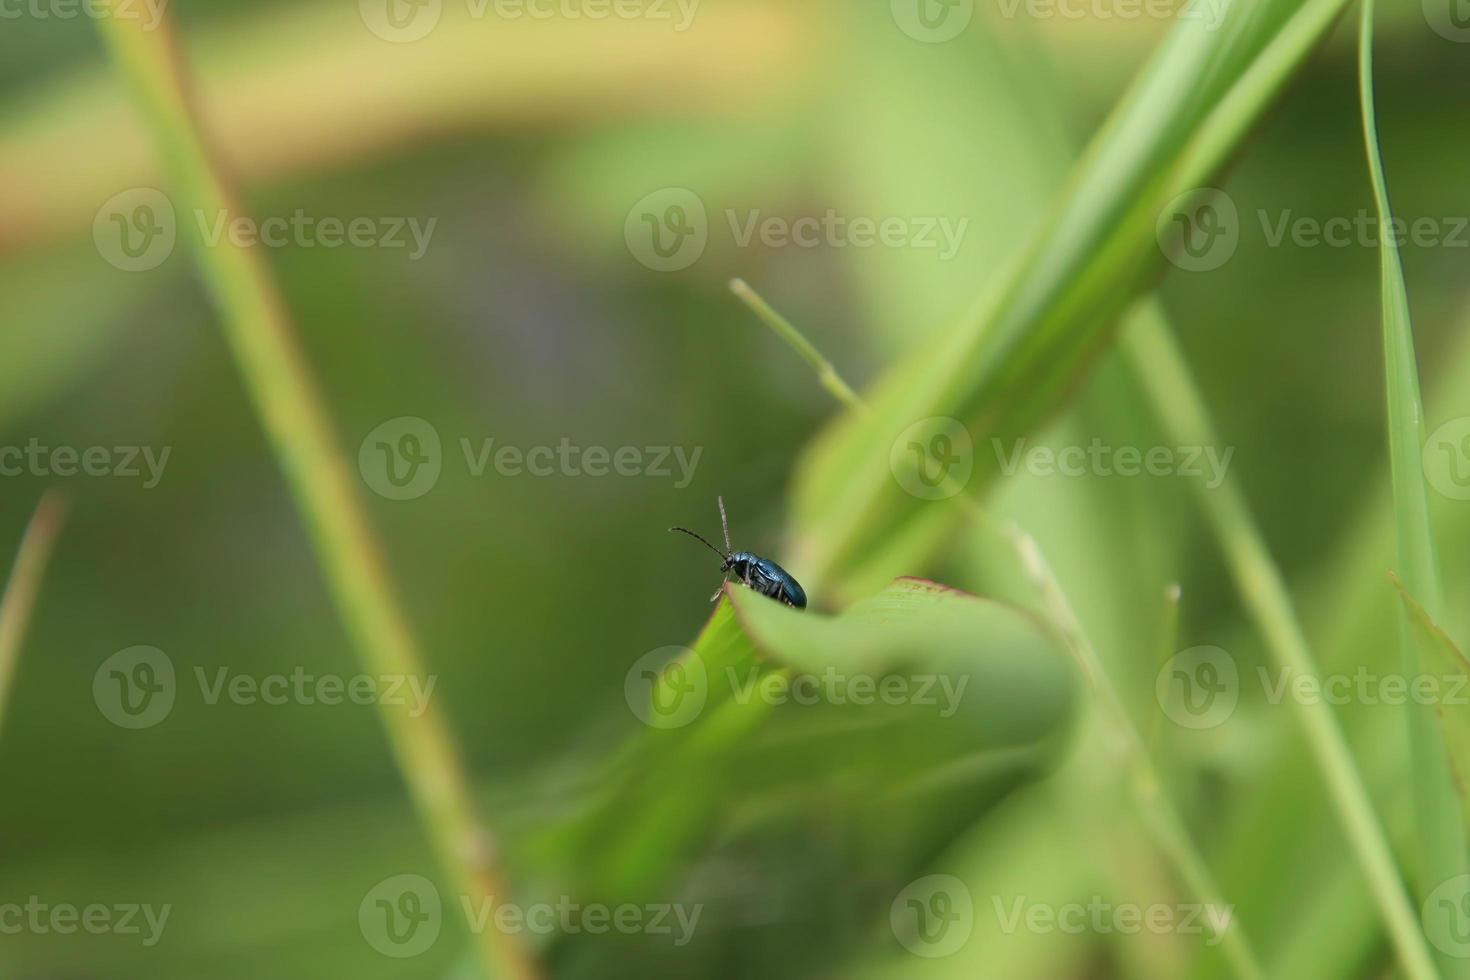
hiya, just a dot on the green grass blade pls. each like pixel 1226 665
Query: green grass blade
pixel 680 784
pixel 1163 821
pixel 1162 372
pixel 23 588
pixel 1443 660
pixel 1022 350
pixel 827 374
pixel 1420 571
pixel 1158 814
pixel 1440 819
pixel 262 339
pixel 1167 646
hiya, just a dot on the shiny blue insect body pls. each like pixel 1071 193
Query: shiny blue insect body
pixel 760 574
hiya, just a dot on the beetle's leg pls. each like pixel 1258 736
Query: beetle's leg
pixel 716 596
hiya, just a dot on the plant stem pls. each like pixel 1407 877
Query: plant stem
pixel 277 377
pixel 21 591
pixel 826 374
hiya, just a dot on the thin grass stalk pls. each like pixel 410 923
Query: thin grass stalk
pixel 1439 821
pixel 24 587
pixel 1158 813
pixel 1165 378
pixel 275 373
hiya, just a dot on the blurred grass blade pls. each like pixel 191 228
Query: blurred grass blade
pixel 827 374
pixel 274 69
pixel 23 588
pixel 1441 659
pixel 1161 370
pixel 1167 646
pixel 655 820
pixel 1157 811
pixel 720 743
pixel 1439 818
pixel 276 375
pixel 854 451
pixel 1024 346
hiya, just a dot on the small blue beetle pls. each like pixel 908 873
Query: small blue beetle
pixel 760 574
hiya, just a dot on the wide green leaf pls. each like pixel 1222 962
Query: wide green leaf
pixel 906 716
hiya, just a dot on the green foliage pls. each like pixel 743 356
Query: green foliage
pixel 792 825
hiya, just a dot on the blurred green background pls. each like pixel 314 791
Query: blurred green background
pixel 530 320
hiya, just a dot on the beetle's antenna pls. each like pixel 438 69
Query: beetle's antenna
pixel 701 538
pixel 724 524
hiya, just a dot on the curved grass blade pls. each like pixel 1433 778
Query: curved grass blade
pixel 775 711
pixel 24 587
pixel 262 339
pixel 1253 569
pixel 1438 811
pixel 1162 372
pixel 1026 344
pixel 1163 821
pixel 1158 813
